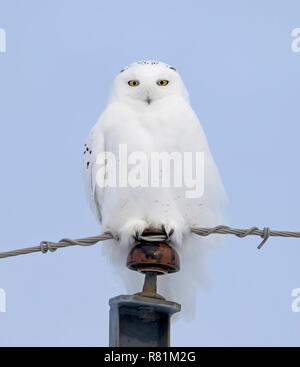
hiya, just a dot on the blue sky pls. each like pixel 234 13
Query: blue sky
pixel 244 82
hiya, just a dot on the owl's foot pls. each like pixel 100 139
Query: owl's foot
pixel 167 231
pixel 173 230
pixel 131 230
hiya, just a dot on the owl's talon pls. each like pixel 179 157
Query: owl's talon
pixel 167 234
pixel 136 236
pixel 132 230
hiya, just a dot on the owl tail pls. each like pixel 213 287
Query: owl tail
pixel 183 287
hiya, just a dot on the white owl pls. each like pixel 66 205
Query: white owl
pixel 149 111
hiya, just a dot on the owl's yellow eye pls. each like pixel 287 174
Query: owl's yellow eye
pixel 133 83
pixel 162 83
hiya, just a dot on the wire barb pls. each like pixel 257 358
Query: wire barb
pixel 265 236
pixel 46 246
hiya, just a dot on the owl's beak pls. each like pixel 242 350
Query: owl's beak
pixel 148 100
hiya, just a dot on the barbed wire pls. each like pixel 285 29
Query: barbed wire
pixel 46 246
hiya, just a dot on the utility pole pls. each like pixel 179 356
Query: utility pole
pixel 143 319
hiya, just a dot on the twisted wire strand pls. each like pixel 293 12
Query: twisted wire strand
pixel 264 233
pixel 46 246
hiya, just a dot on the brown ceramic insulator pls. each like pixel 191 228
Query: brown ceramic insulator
pixel 153 256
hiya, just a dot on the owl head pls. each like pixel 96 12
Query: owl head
pixel 146 82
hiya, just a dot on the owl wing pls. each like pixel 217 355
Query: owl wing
pixel 95 144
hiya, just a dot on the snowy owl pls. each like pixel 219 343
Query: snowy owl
pixel 148 115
